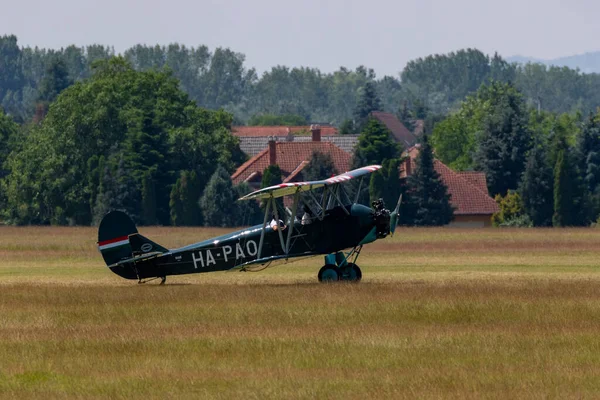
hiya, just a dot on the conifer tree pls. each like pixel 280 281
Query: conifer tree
pixel 505 138
pixel 367 103
pixel 536 187
pixel 588 152
pixel 320 166
pixel 563 198
pixel 184 199
pixel 375 144
pixel 386 183
pixel 191 192
pixel 428 198
pixel 248 213
pixel 271 176
pixel 218 201
pixel 55 80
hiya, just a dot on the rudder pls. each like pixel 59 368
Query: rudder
pixel 113 237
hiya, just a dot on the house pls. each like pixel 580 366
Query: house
pixel 469 193
pixel 291 157
pixel 254 139
pixel 399 132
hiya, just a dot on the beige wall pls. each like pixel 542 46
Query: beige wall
pixel 471 221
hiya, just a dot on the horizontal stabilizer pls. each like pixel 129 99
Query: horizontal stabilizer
pixel 141 245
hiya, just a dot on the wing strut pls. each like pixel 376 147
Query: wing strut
pixel 291 224
pixel 262 233
pixel 336 193
pixel 362 178
pixel 279 233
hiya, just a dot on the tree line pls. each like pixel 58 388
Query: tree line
pixel 429 86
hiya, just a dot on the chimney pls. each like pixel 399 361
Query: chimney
pixel 316 133
pixel 272 151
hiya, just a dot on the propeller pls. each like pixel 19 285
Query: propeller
pixel 394 216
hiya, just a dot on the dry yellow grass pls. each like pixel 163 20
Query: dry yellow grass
pixel 441 313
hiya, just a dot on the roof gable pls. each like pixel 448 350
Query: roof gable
pixel 397 128
pixel 290 157
pixel 467 198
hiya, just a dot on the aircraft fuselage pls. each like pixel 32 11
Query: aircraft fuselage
pixel 338 230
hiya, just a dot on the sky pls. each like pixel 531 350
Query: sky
pixel 380 34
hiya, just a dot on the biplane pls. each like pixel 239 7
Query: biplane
pixel 332 225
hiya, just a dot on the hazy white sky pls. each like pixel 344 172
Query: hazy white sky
pixel 381 34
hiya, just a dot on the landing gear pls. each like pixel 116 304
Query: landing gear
pixel 329 273
pixel 351 273
pixel 339 268
pixel 163 279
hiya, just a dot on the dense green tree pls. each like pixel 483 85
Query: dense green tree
pixel 564 213
pixel 405 115
pixel 368 101
pixel 144 114
pixel 442 80
pixel 320 166
pixel 505 138
pixel 428 201
pixel 536 187
pixel 588 151
pixel 175 203
pixel 386 183
pixel 271 176
pixel 347 127
pixel 11 74
pixel 185 195
pixel 218 200
pixel 8 133
pixel 56 79
pixel 148 199
pixel 375 144
pixel 248 213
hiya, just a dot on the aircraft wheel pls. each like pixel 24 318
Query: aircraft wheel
pixel 329 273
pixel 351 272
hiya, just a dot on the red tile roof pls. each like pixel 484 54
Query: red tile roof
pixel 476 179
pixel 397 128
pixel 468 190
pixel 290 156
pixel 467 198
pixel 254 131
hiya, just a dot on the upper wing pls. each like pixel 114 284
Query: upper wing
pixel 286 189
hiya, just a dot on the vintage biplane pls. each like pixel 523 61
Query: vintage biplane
pixel 332 225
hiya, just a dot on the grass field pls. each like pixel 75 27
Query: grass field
pixel 440 313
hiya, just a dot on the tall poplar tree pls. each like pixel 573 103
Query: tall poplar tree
pixel 536 187
pixel 563 197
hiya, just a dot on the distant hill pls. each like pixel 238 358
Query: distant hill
pixel 588 62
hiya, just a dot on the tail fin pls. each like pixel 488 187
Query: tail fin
pixel 113 237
